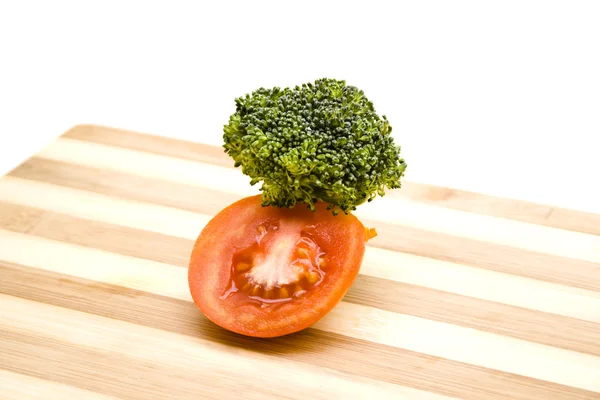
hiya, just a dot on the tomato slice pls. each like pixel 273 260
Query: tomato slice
pixel 268 271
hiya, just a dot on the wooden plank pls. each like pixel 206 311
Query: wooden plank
pixel 519 210
pixel 461 295
pixel 14 386
pixel 313 347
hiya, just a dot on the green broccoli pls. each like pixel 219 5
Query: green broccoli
pixel 320 141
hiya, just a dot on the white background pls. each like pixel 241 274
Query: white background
pixel 500 97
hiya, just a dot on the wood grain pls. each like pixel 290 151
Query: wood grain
pixel 397 237
pixel 14 386
pixel 404 291
pixel 461 295
pixel 311 346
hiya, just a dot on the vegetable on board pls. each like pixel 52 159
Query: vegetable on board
pixel 275 263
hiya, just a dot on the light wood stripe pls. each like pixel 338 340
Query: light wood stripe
pixel 97 265
pixel 519 210
pixel 398 238
pixel 474 282
pixel 397 210
pixel 366 323
pixel 15 386
pixel 558 242
pixel 309 346
pixel 221 365
pixel 392 289
pixel 464 345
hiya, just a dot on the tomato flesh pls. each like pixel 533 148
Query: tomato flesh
pixel 268 271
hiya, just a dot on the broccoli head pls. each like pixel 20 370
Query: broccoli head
pixel 321 141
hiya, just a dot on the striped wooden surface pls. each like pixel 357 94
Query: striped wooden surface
pixel 460 296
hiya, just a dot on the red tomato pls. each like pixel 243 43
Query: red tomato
pixel 268 271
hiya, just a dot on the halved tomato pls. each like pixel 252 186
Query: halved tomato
pixel 268 271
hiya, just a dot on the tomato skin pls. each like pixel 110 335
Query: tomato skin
pixel 341 237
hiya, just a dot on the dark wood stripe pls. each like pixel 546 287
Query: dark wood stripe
pixel 521 323
pixel 151 144
pixel 113 238
pixel 17 218
pixel 440 196
pixel 495 257
pixel 310 346
pixel 103 372
pixel 114 184
pixel 98 235
pixel 501 258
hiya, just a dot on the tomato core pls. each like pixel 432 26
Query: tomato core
pixel 283 264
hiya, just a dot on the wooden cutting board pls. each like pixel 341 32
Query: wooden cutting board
pixel 460 296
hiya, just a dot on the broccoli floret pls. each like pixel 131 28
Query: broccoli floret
pixel 320 141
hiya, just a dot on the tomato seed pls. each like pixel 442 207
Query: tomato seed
pixel 312 277
pixel 243 267
pixel 283 293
